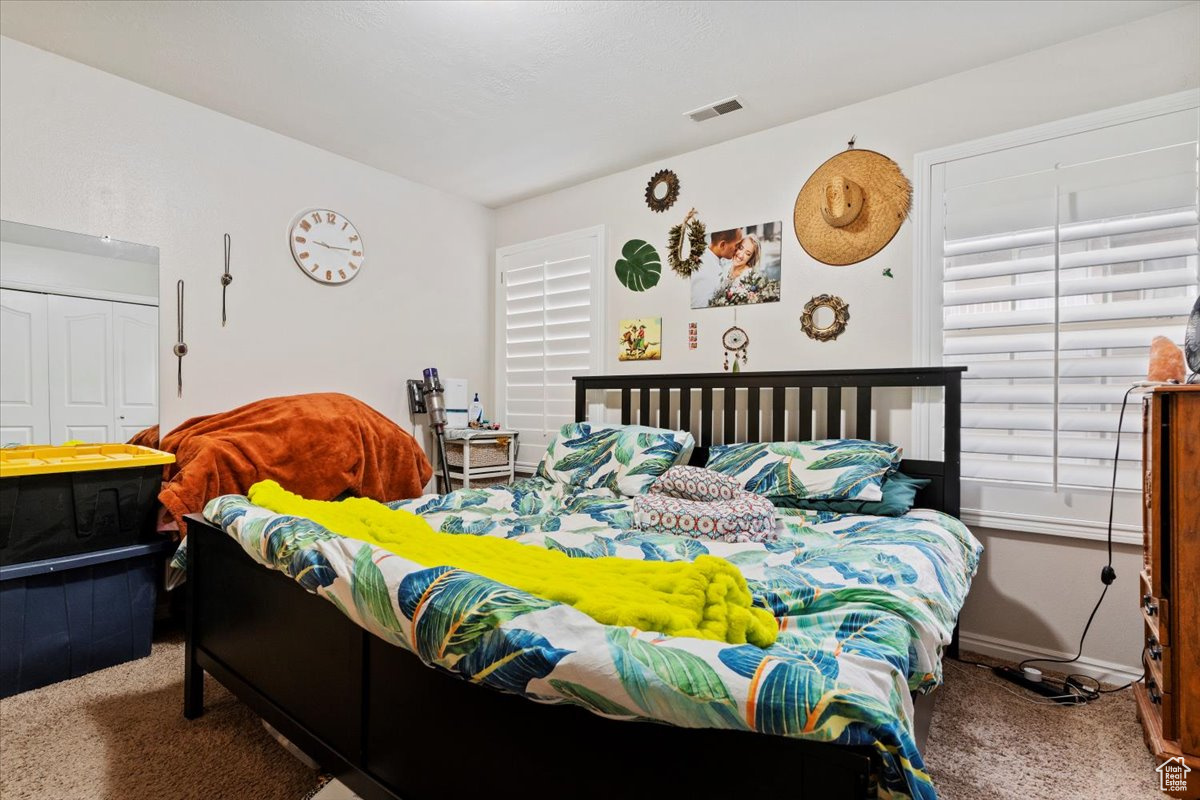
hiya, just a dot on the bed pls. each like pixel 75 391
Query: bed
pixel 389 726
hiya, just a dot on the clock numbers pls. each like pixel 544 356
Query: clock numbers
pixel 318 234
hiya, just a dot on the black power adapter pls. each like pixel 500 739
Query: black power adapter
pixel 1069 693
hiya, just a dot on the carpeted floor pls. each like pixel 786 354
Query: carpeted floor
pixel 987 743
pixel 120 734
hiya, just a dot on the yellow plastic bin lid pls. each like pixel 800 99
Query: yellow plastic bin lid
pixel 44 459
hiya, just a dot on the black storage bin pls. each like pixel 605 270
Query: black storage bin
pixel 65 617
pixel 59 513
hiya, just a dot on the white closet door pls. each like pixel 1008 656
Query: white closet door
pixel 135 353
pixel 82 404
pixel 24 356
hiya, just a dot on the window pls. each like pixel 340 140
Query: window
pixel 549 325
pixel 1051 259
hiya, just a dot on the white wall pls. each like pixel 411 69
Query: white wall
pixel 84 151
pixel 1033 590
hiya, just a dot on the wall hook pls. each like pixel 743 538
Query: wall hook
pixel 226 279
pixel 180 349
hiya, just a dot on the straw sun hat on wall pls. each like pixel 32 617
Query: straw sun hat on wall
pixel 851 207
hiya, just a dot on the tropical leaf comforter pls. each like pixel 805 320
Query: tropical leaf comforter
pixel 865 607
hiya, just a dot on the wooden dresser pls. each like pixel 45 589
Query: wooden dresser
pixel 1168 704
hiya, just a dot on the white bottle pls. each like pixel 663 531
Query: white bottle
pixel 475 412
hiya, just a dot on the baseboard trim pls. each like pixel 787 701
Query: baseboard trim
pixel 1107 671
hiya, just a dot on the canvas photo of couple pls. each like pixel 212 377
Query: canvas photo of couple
pixel 740 267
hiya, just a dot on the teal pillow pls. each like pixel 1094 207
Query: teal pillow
pixel 899 494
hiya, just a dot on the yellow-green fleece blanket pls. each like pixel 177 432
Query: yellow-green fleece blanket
pixel 706 598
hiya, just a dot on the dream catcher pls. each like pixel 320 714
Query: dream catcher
pixel 690 232
pixel 737 342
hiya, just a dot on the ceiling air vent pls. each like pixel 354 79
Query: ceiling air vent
pixel 716 109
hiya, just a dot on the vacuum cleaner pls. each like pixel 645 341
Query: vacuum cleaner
pixel 435 405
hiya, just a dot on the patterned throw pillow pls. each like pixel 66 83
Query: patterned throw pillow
pixel 623 458
pixel 831 469
pixel 696 483
pixel 697 502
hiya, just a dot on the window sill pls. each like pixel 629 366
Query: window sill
pixel 1050 526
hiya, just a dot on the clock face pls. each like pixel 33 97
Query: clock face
pixel 326 246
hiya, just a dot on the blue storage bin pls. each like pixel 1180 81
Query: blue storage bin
pixel 65 617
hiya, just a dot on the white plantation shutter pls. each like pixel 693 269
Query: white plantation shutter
pixel 548 314
pixel 1059 261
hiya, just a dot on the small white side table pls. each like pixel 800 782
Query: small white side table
pixel 478 456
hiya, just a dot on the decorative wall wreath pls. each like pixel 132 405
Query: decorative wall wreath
pixel 841 315
pixel 693 230
pixel 661 201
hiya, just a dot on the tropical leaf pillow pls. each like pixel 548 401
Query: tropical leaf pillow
pixel 623 458
pixel 829 469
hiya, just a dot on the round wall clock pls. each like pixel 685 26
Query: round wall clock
pixel 326 246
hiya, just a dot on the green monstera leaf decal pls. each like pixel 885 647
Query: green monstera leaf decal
pixel 640 267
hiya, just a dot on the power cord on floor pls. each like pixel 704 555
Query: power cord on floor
pixel 1036 700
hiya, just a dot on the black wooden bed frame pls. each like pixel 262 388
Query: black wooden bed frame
pixel 389 727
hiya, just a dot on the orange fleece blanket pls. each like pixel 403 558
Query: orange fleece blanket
pixel 318 445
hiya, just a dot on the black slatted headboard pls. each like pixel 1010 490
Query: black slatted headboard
pixel 676 397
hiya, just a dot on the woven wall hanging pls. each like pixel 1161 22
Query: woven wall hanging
pixel 839 316
pixel 690 232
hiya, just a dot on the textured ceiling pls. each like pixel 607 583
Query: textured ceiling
pixel 498 101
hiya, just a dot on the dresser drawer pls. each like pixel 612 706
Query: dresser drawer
pixel 1163 701
pixel 1157 659
pixel 1155 612
pixel 1158 689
